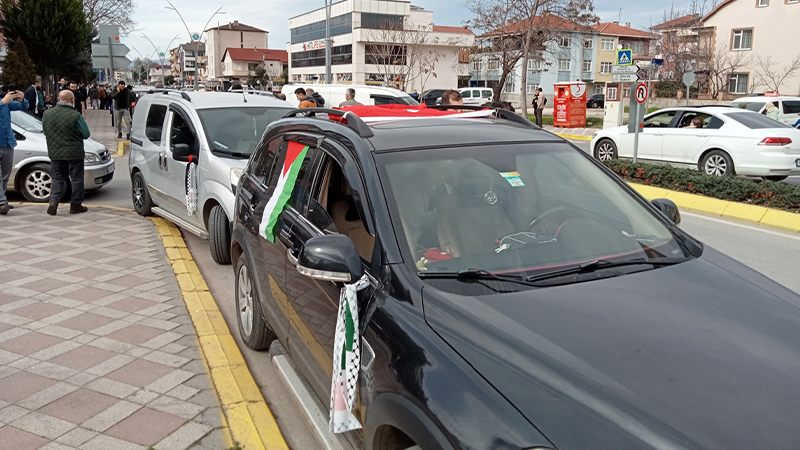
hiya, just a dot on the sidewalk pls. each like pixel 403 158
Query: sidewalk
pixel 97 349
pixel 99 122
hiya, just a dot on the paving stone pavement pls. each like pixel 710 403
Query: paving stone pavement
pixel 97 350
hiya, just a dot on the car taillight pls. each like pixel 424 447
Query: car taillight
pixel 775 141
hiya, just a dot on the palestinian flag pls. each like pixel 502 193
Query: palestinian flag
pixel 295 153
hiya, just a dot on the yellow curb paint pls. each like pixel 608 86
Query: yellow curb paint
pixel 741 211
pixel 781 219
pixel 247 419
pixel 121 148
pixel 575 137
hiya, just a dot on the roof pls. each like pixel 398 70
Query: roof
pixel 201 100
pixel 446 29
pixel 716 9
pixel 684 21
pixel 615 29
pixel 237 26
pixel 550 21
pixel 256 54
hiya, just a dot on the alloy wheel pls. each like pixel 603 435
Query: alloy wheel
pixel 138 194
pixel 716 165
pixel 245 301
pixel 605 152
pixel 39 184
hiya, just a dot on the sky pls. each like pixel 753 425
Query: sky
pixel 162 25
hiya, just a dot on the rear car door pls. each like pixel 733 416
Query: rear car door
pixel 790 111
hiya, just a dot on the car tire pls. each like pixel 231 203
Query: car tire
pixel 35 183
pixel 219 235
pixel 140 196
pixel 252 327
pixel 775 178
pixel 595 105
pixel 605 150
pixel 717 163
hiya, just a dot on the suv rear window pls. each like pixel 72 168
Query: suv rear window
pixel 791 106
pixel 756 121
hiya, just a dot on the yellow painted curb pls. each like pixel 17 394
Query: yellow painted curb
pixel 121 148
pixel 575 137
pixel 246 416
pixel 770 217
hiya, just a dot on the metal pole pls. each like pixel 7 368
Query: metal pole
pixel 328 42
pixel 111 59
pixel 634 114
pixel 196 72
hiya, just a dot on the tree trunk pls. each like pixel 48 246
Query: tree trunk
pixel 499 89
pixel 523 96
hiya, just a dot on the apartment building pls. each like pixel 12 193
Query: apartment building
pixel 231 35
pixel 241 63
pixel 610 37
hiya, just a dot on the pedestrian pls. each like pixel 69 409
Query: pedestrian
pixel 11 102
pixel 541 100
pixel 415 95
pixel 80 99
pixel 101 97
pixel 772 111
pixel 122 109
pixel 316 97
pixel 93 97
pixel 31 97
pixel 63 84
pixel 535 100
pixel 452 97
pixel 350 98
pixel 65 130
pixel 41 105
pixel 306 101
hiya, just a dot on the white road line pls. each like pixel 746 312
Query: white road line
pixel 741 225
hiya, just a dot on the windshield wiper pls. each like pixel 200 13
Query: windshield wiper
pixel 600 264
pixel 217 150
pixel 475 274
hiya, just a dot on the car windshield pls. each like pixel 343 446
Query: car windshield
pixel 516 209
pixel 756 121
pixel 26 121
pixel 750 106
pixel 408 100
pixel 236 131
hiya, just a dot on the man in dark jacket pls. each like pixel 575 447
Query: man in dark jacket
pixel 122 109
pixel 65 130
pixel 315 97
pixel 32 98
pixel 7 141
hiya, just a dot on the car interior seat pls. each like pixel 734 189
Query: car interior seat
pixel 345 214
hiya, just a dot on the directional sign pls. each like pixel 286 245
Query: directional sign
pixel 640 93
pixel 624 57
pixel 657 61
pixel 104 62
pixel 624 77
pixel 108 31
pixel 102 49
pixel 624 69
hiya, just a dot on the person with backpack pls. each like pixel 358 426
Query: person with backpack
pixel 541 100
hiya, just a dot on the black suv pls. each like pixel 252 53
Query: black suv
pixel 520 294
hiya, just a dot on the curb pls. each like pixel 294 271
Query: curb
pixel 769 217
pixel 121 148
pixel 575 137
pixel 249 420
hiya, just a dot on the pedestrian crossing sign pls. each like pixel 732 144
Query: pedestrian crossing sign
pixel 624 57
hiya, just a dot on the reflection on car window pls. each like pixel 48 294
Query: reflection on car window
pixel 660 120
pixel 750 106
pixel 260 167
pixel 237 130
pixel 756 121
pixel 26 121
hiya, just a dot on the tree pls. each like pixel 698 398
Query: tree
pixel 772 75
pixel 18 68
pixel 169 80
pixel 723 63
pixel 56 31
pixel 110 12
pixel 500 39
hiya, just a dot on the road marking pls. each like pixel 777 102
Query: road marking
pixel 741 225
pixel 249 420
pixel 575 137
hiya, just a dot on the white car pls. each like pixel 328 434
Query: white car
pixel 730 141
pixel 788 107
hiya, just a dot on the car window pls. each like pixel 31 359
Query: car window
pixel 791 106
pixel 261 165
pixel 756 121
pixel 661 120
pixel 236 131
pixel 750 106
pixel 708 121
pixel 466 94
pixel 383 100
pixel 181 132
pixel 154 125
pixel 476 93
pixel 26 121
pixel 487 93
pixel 300 193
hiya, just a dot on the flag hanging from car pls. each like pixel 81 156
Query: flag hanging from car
pixel 346 359
pixel 295 153
pixel 191 186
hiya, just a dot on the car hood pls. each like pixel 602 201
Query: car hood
pixel 90 145
pixel 703 354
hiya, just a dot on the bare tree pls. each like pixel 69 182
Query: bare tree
pixel 500 39
pixel 685 45
pixel 110 12
pixel 724 63
pixel 772 75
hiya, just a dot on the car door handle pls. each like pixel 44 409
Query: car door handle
pixel 658 134
pixel 291 257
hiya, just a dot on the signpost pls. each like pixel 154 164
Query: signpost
pixel 624 77
pixel 109 52
pixel 636 115
pixel 625 57
pixel 688 80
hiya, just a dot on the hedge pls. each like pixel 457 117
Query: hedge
pixel 754 192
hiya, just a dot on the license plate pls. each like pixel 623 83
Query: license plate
pixel 797 162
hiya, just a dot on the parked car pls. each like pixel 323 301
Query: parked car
pixel 596 101
pixel 788 107
pixel 476 96
pixel 519 295
pixel 365 94
pixel 31 175
pixel 731 141
pixel 430 96
pixel 216 130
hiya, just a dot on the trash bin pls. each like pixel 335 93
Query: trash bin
pixel 569 108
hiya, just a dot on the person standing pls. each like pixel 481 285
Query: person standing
pixel 80 99
pixel 65 129
pixel 93 96
pixel 101 97
pixel 10 102
pixel 40 103
pixel 452 97
pixel 32 98
pixel 122 109
pixel 540 102
pixel 349 98
pixel 306 101
pixel 63 84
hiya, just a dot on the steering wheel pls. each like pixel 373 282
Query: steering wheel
pixel 544 215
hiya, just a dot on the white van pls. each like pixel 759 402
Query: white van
pixel 476 96
pixel 334 94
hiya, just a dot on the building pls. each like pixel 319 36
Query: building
pixel 685 45
pixel 762 35
pixel 232 35
pixel 241 63
pixel 610 36
pixel 382 42
pixel 189 61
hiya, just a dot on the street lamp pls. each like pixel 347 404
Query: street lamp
pixel 192 37
pixel 160 57
pixel 328 41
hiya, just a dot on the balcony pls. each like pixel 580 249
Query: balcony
pixel 587 76
pixel 564 75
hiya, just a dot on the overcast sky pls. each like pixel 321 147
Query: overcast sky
pixel 162 25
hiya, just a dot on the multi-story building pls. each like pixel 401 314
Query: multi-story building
pixel 385 42
pixel 242 63
pixel 232 35
pixel 610 37
pixel 189 61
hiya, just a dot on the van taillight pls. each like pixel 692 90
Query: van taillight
pixel 775 141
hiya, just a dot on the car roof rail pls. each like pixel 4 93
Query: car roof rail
pixel 183 94
pixel 353 121
pixel 499 113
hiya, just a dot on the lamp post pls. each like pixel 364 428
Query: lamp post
pixel 141 58
pixel 196 37
pixel 328 41
pixel 160 56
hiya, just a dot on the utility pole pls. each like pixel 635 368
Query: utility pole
pixel 328 42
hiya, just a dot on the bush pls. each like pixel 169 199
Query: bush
pixel 763 193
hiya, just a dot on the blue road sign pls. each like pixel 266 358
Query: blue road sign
pixel 624 57
pixel 657 61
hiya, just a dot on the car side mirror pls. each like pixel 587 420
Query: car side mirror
pixel 668 208
pixel 332 257
pixel 182 152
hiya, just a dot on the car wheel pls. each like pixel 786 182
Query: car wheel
pixel 595 105
pixel 142 202
pixel 717 163
pixel 775 178
pixel 36 183
pixel 219 235
pixel 605 150
pixel 252 327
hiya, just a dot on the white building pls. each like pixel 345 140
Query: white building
pixel 189 62
pixel 232 35
pixel 382 42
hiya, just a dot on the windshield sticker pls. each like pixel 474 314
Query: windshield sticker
pixel 513 178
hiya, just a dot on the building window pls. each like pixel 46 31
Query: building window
pixel 530 88
pixel 379 21
pixel 607 44
pixel 598 88
pixel 605 67
pixel 626 91
pixel 738 84
pixel 564 65
pixel 588 43
pixel 252 66
pixel 761 3
pixel 587 66
pixel 339 25
pixel 384 54
pixel 342 54
pixel 612 94
pixel 534 66
pixel 476 66
pixel 494 64
pixel 565 41
pixel 742 39
pixel 637 47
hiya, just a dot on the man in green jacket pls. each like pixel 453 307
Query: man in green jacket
pixel 65 130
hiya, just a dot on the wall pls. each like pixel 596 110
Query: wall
pixel 218 40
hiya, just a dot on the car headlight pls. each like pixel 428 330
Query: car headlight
pixel 236 173
pixel 91 158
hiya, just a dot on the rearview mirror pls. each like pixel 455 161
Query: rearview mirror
pixel 332 257
pixel 668 208
pixel 182 152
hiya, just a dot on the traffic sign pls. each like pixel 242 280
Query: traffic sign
pixel 104 62
pixel 657 61
pixel 624 57
pixel 624 69
pixel 624 77
pixel 688 78
pixel 195 36
pixel 101 49
pixel 640 93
